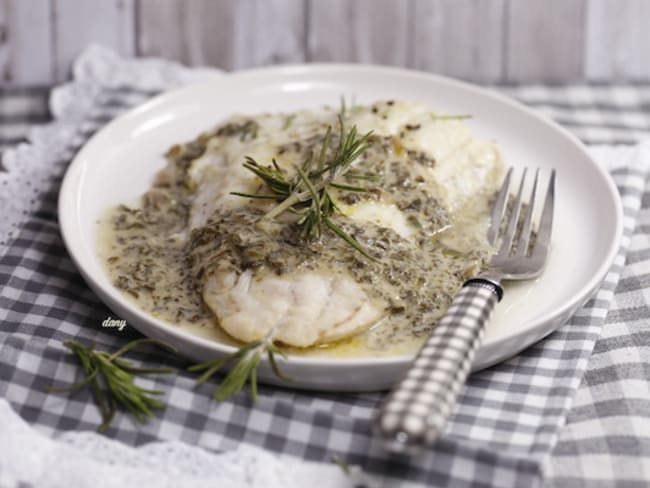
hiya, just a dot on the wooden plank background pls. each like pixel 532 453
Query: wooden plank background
pixel 479 40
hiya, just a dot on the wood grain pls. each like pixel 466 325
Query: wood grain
pixel 617 40
pixel 365 31
pixel 544 40
pixel 25 47
pixel 479 40
pixel 230 34
pixel 462 39
pixel 77 23
pixel 279 32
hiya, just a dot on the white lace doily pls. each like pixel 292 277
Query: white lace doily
pixel 32 165
pixel 86 459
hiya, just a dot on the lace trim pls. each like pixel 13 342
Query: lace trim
pixel 78 108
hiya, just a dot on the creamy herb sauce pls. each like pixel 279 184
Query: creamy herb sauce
pixel 153 257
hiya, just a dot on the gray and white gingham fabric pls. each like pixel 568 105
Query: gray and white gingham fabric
pixel 606 440
pixel 21 108
pixel 415 412
pixel 508 418
pixel 596 114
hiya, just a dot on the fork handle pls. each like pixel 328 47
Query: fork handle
pixel 416 411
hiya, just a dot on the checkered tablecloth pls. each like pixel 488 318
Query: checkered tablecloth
pixel 507 430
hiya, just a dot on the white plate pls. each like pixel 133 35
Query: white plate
pixel 118 163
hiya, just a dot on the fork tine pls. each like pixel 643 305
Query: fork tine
pixel 513 218
pixel 524 236
pixel 498 209
pixel 546 220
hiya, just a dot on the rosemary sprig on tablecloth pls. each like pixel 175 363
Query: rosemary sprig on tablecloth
pixel 243 368
pixel 110 377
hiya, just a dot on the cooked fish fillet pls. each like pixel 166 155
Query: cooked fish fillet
pixel 300 309
pixel 311 306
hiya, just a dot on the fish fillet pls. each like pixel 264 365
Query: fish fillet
pixel 312 306
pixel 301 309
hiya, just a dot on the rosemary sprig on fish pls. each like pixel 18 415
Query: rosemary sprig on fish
pixel 307 194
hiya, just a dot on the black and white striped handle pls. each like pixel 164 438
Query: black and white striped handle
pixel 416 411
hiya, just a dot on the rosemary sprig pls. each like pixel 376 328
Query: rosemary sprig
pixel 308 193
pixel 243 368
pixel 436 116
pixel 110 377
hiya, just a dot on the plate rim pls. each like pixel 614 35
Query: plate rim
pixel 577 300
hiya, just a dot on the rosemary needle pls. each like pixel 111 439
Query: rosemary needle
pixel 110 378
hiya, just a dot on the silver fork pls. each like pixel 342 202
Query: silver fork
pixel 416 411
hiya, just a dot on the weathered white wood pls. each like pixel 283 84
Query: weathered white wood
pixel 366 31
pixel 480 40
pixel 25 51
pixel 230 34
pixel 463 38
pixel 617 40
pixel 278 28
pixel 78 23
pixel 544 40
pixel 160 29
pixel 329 33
